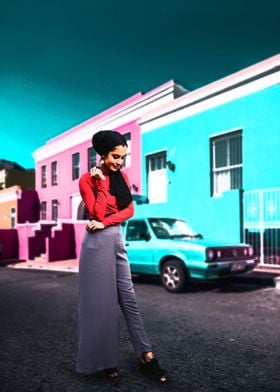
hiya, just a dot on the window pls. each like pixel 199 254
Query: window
pixel 157 177
pixel 226 162
pixel 137 231
pixel 127 159
pixel 54 209
pixel 75 166
pixel 54 173
pixel 44 210
pixel 91 158
pixel 44 176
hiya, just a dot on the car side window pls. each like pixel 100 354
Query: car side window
pixel 137 231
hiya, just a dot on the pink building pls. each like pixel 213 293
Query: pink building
pixel 63 159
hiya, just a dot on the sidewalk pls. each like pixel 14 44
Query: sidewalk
pixel 61 265
pixel 263 276
pixel 260 275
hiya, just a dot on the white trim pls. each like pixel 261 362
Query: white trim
pixel 83 133
pixel 150 123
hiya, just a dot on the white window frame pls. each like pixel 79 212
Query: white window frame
pixel 221 176
pixel 127 160
pixel 157 179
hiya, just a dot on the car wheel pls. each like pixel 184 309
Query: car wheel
pixel 173 276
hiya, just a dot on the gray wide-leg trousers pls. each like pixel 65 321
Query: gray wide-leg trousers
pixel 104 282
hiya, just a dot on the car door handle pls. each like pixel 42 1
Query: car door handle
pixel 126 244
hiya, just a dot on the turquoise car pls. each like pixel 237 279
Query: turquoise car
pixel 169 248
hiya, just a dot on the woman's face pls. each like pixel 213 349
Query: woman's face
pixel 114 159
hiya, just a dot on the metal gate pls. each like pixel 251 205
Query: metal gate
pixel 262 224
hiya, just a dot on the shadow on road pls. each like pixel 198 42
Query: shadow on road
pixel 236 284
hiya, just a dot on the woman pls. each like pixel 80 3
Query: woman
pixel 104 274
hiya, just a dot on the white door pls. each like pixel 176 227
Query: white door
pixel 75 202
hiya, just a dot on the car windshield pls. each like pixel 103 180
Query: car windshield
pixel 172 228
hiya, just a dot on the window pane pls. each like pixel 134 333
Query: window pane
pixel 44 176
pixel 137 231
pixel 91 158
pixel 235 178
pixel 235 150
pixel 54 209
pixel 222 181
pixel 220 153
pixel 54 173
pixel 44 210
pixel 75 166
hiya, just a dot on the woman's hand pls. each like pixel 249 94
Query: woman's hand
pixel 97 173
pixel 94 225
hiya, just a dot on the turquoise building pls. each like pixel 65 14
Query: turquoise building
pixel 212 157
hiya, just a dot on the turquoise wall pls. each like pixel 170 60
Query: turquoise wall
pixel 187 145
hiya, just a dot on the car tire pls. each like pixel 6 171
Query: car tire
pixel 173 276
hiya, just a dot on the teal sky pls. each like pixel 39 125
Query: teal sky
pixel 64 61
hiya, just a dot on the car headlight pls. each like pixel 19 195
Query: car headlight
pixel 245 251
pixel 218 253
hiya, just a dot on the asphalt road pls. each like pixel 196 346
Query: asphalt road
pixel 212 339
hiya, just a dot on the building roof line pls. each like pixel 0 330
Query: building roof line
pixel 228 83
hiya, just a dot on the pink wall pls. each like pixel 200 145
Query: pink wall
pixel 65 185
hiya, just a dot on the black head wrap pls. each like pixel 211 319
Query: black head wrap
pixel 103 142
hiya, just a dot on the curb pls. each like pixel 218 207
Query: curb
pixel 263 278
pixel 277 282
pixel 269 278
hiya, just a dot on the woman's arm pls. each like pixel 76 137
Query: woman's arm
pixel 93 193
pixel 119 216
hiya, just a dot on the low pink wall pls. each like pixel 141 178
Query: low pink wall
pixel 24 232
pixel 61 244
pixel 9 245
pixel 32 239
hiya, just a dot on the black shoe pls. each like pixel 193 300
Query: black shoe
pixel 152 369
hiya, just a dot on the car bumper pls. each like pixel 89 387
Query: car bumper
pixel 229 268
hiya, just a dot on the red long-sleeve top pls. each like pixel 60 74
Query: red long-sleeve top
pixel 100 204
